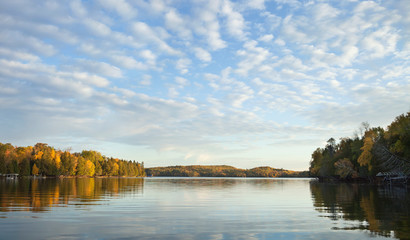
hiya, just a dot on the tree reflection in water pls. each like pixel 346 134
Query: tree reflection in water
pixel 37 195
pixel 382 210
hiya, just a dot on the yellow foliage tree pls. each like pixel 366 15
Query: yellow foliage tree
pixel 35 170
pixel 53 153
pixel 57 160
pixel 38 155
pixel 115 169
pixel 366 156
pixel 89 168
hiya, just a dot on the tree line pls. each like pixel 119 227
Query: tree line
pixel 221 171
pixel 365 155
pixel 47 161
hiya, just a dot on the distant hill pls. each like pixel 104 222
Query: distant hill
pixel 221 171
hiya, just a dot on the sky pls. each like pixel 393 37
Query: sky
pixel 242 83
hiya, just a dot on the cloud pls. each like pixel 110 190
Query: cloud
pixel 335 84
pixel 8 90
pixel 290 29
pixel 147 35
pixel 183 64
pixel 175 22
pixel 323 11
pixel 17 40
pixel 206 24
pixel 128 62
pixel 122 7
pixel 293 4
pixel 365 6
pixel 395 72
pixel 78 8
pixel 380 43
pixel 37 30
pixel 173 92
pixel 253 57
pixel 18 55
pixel 202 54
pixel 266 38
pixel 367 103
pixel 89 49
pixel 239 99
pixel 158 5
pixel 99 68
pixel 124 92
pixel 256 4
pixel 40 75
pixel 34 11
pixel 86 78
pixel 181 81
pixel 235 21
pixel 149 56
pixel 146 80
pixel 271 21
pixel 98 28
pixel 237 92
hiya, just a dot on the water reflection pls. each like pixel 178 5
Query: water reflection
pixel 383 210
pixel 198 208
pixel 38 195
pixel 224 182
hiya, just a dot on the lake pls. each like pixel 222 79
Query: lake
pixel 200 208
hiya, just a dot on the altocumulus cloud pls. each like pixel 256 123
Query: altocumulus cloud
pixel 245 83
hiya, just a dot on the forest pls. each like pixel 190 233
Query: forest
pixel 221 171
pixel 372 151
pixel 44 160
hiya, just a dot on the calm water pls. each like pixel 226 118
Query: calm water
pixel 200 208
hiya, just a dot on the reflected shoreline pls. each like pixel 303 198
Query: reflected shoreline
pixel 41 194
pixel 385 209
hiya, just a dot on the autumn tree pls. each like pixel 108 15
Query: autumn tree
pixel 96 158
pixel 366 158
pixel 7 156
pixel 81 170
pixel 35 170
pixel 89 168
pixel 112 167
pixel 68 164
pixel 398 136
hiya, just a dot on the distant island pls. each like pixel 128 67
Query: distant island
pixel 373 152
pixel 221 171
